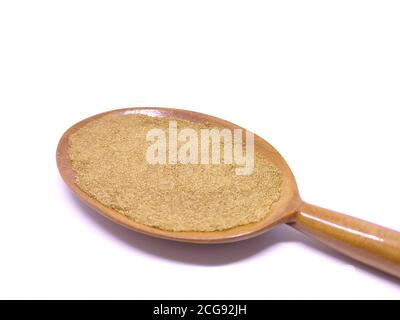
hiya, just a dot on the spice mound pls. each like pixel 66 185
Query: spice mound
pixel 109 157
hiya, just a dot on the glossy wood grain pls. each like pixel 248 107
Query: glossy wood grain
pixel 369 243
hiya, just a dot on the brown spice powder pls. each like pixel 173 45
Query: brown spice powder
pixel 108 157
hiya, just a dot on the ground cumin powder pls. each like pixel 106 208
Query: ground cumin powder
pixel 108 158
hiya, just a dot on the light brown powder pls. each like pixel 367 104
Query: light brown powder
pixel 108 157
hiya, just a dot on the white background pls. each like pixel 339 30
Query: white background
pixel 319 80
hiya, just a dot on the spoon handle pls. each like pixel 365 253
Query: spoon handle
pixel 369 243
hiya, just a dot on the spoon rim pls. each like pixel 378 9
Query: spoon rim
pixel 280 212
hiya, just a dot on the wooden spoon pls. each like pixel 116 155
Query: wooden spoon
pixel 366 242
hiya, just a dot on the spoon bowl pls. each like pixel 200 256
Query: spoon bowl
pixel 369 243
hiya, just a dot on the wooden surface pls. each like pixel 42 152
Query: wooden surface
pixel 282 211
pixel 372 244
pixel 369 243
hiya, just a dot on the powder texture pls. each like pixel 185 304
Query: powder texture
pixel 108 157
